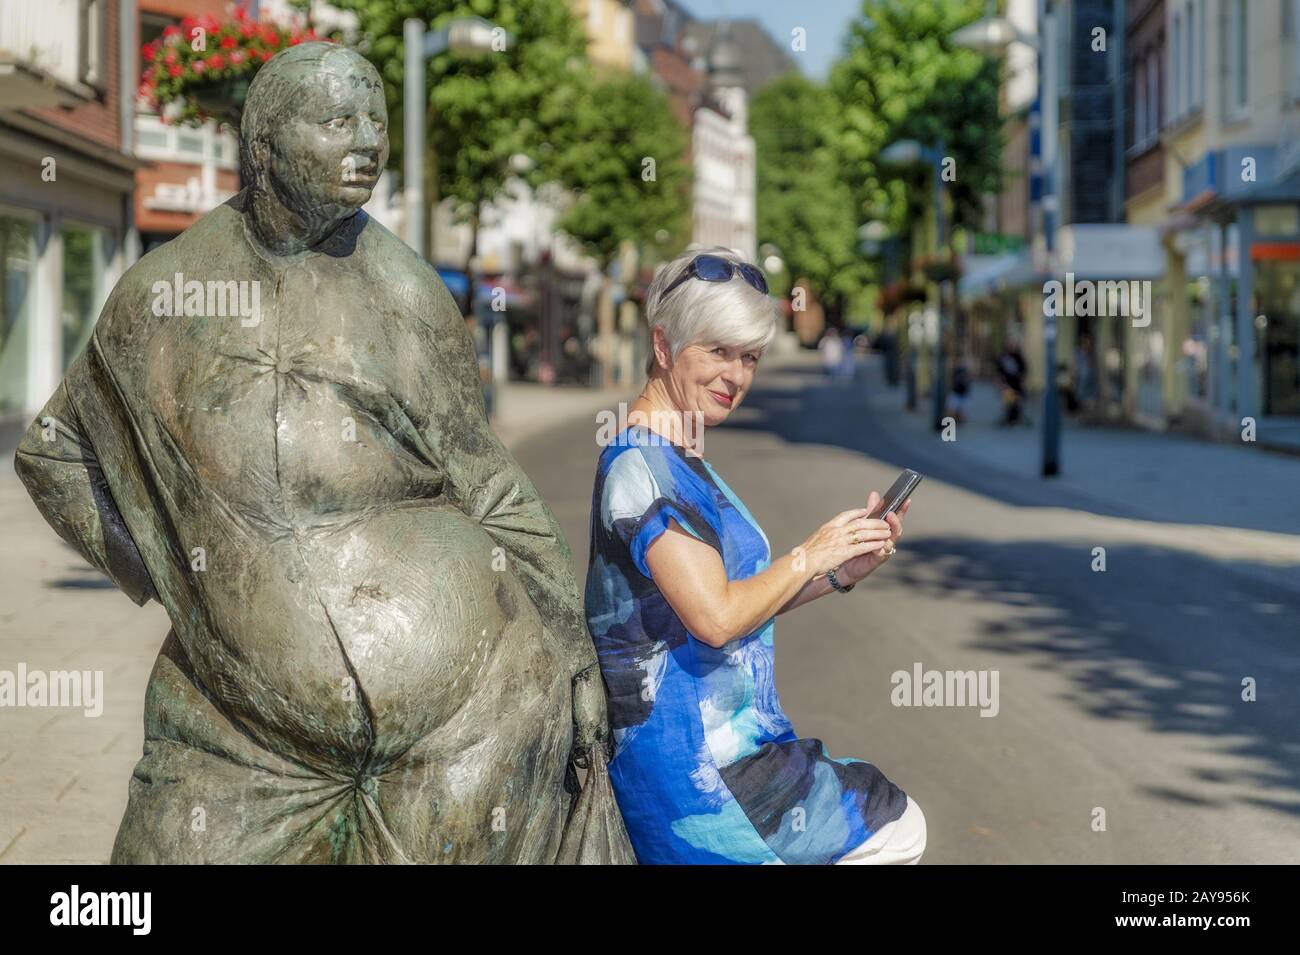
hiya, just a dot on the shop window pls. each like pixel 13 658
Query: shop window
pixel 17 264
pixel 83 266
pixel 91 67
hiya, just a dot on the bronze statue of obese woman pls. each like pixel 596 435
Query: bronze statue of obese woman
pixel 378 651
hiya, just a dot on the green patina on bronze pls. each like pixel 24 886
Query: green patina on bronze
pixel 312 491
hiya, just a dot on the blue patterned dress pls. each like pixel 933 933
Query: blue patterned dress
pixel 707 767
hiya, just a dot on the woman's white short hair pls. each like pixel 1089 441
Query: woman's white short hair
pixel 733 313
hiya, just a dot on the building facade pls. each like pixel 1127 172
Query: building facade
pixel 184 172
pixel 724 210
pixel 1232 178
pixel 67 81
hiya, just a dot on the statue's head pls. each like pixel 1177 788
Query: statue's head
pixel 315 130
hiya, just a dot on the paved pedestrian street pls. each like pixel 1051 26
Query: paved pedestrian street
pixel 1118 692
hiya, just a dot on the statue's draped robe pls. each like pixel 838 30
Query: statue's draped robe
pixel 374 620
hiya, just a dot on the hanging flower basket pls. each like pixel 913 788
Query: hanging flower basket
pixel 201 69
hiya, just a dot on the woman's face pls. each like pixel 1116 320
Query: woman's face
pixel 712 379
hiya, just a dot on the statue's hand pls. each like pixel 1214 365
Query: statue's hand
pixel 590 719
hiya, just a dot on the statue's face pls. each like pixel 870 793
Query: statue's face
pixel 328 153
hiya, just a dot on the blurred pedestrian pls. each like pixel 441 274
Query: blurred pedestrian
pixel 848 358
pixel 959 392
pixel 1085 374
pixel 887 345
pixel 1011 368
pixel 831 347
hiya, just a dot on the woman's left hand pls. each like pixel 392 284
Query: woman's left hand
pixel 851 571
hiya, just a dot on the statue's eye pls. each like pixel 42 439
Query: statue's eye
pixel 338 122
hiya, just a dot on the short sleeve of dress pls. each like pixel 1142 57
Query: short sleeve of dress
pixel 638 507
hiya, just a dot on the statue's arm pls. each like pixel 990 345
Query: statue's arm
pixel 491 487
pixel 58 466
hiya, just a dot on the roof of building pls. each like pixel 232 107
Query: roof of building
pixel 758 57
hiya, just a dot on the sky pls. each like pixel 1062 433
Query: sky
pixel 826 23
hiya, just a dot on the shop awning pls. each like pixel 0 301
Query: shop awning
pixel 1106 251
pixel 986 274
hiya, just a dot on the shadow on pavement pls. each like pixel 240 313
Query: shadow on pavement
pixel 1169 662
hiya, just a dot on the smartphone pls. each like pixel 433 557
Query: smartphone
pixel 897 494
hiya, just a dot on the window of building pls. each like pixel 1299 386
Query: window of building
pixel 1198 53
pixel 94 30
pixel 1292 31
pixel 1139 103
pixel 83 268
pixel 1238 59
pixel 1153 95
pixel 17 282
pixel 1176 69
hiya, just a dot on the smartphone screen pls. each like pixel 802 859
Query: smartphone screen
pixel 897 494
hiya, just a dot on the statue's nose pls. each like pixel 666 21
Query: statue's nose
pixel 369 136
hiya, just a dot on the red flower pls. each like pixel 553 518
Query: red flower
pixel 216 62
pixel 236 56
pixel 171 30
pixel 265 55
pixel 149 50
pixel 198 66
pixel 295 40
pixel 247 31
pixel 173 70
pixel 170 58
pixel 228 42
pixel 269 35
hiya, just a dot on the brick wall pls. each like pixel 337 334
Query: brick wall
pixel 147 181
pixel 683 82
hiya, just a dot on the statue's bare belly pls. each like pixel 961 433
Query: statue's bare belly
pixel 365 610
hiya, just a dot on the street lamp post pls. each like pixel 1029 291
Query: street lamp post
pixel 992 35
pixel 463 35
pixel 908 152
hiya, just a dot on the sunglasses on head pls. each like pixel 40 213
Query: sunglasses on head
pixel 713 268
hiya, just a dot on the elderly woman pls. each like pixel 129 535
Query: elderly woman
pixel 682 592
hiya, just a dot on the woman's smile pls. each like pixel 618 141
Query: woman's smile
pixel 723 398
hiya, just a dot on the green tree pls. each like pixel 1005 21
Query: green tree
pixel 805 206
pixel 623 158
pixel 901 77
pixel 622 161
pixel 482 110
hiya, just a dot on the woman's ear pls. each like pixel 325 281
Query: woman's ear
pixel 663 354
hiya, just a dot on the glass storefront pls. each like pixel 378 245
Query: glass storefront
pixel 17 256
pixel 83 268
pixel 1277 292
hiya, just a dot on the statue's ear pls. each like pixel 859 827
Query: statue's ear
pixel 260 151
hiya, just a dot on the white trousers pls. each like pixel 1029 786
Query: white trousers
pixel 900 842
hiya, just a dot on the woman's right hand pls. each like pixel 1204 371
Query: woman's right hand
pixel 847 535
